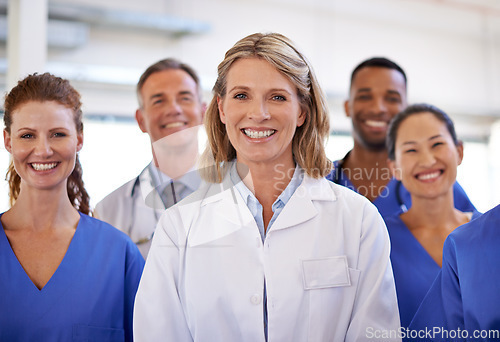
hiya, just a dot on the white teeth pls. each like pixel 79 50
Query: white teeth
pixel 259 134
pixel 378 124
pixel 428 176
pixel 43 167
pixel 174 124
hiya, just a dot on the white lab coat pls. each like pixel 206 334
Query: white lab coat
pixel 325 263
pixel 126 209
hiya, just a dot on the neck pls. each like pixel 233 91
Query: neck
pixel 176 161
pixel 362 156
pixel 43 210
pixel 368 171
pixel 266 181
pixel 437 212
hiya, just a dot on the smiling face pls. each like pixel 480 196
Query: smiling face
pixel 261 111
pixel 43 141
pixel 377 94
pixel 170 103
pixel 426 158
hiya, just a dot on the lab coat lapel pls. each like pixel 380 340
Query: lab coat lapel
pixel 226 213
pixel 300 208
pixel 228 202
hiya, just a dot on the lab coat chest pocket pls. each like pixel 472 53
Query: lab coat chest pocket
pixel 325 272
pixel 330 286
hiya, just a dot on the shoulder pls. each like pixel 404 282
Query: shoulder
pixel 340 200
pixel 346 195
pixel 484 228
pixel 99 230
pixel 120 192
pixel 107 241
pixel 397 230
pixel 393 220
pixel 334 175
pixel 115 199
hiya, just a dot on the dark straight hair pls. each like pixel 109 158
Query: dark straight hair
pixel 378 62
pixel 416 109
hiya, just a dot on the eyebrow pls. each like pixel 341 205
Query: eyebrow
pixel 280 89
pixel 248 88
pixel 364 89
pixel 182 92
pixel 414 142
pixel 390 91
pixel 394 92
pixel 238 88
pixel 34 129
pixel 186 92
pixel 154 96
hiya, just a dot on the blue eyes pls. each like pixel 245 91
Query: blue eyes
pixel 240 96
pixel 274 97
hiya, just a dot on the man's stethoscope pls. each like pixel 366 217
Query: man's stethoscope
pixel 144 178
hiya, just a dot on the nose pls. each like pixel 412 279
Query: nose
pixel 173 108
pixel 427 158
pixel 379 106
pixel 258 111
pixel 43 148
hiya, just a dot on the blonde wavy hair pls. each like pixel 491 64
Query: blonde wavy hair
pixel 308 141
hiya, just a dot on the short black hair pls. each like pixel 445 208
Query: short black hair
pixel 418 108
pixel 378 62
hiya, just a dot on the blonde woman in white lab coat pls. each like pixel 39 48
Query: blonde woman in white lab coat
pixel 269 250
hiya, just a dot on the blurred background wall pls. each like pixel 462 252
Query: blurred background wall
pixel 450 50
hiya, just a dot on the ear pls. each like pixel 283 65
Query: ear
pixel 139 117
pixel 460 151
pixel 6 141
pixel 346 108
pixel 79 142
pixel 302 118
pixel 222 116
pixel 395 170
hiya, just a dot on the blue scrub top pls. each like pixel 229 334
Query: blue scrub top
pixel 90 296
pixel 388 202
pixel 413 267
pixel 466 293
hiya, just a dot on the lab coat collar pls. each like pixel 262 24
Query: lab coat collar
pixel 226 205
pixel 299 208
